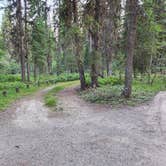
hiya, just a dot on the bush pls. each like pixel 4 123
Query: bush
pixel 9 78
pixel 110 81
pixel 61 78
pixel 11 85
pixel 50 101
pixel 141 92
pixel 106 81
pixel 102 94
pixel 67 77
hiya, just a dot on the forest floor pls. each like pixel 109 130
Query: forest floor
pixel 82 134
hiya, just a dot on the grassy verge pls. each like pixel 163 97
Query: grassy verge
pixel 111 94
pixel 9 83
pixel 12 95
pixel 50 99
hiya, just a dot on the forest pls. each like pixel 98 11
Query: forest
pixel 66 55
pixel 117 49
pixel 92 38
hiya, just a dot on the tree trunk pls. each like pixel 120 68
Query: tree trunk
pixel 35 71
pixel 49 57
pixel 109 65
pixel 131 37
pixel 49 63
pixel 22 60
pixel 94 35
pixel 48 54
pixel 78 48
pixel 111 21
pixel 28 71
pixel 20 39
pixel 26 42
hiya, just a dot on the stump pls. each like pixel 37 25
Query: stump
pixel 17 90
pixel 4 93
pixel 38 83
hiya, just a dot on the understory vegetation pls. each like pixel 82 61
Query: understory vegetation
pixel 116 49
pixel 11 87
pixel 112 93
pixel 50 98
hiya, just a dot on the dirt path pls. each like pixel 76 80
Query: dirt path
pixel 83 134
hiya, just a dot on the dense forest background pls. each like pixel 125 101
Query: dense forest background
pixel 94 38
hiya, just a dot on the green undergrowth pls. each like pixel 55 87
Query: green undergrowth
pixel 9 83
pixel 61 78
pixel 50 98
pixel 111 94
pixel 106 81
pixel 11 95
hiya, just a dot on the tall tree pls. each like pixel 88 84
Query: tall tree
pixel 113 25
pixel 77 39
pixel 26 35
pixel 20 33
pixel 92 20
pixel 131 11
pixel 39 47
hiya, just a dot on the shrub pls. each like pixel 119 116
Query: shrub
pixel 110 81
pixel 11 85
pixel 50 101
pixel 102 94
pixel 61 78
pixel 106 81
pixel 9 78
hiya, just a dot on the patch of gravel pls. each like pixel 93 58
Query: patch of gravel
pixel 82 134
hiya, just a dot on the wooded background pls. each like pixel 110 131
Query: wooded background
pixel 98 37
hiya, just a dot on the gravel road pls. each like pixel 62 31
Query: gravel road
pixel 82 134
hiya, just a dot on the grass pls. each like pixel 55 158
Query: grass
pixel 50 98
pixel 9 83
pixel 12 96
pixel 109 91
pixel 111 94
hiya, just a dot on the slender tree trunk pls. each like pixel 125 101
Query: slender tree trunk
pixel 111 23
pixel 49 57
pixel 109 64
pixel 48 54
pixel 94 34
pixel 78 48
pixel 20 39
pixel 58 59
pixel 131 37
pixel 103 66
pixel 49 63
pixel 26 42
pixel 28 71
pixel 35 71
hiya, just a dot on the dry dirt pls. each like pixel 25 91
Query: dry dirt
pixel 82 134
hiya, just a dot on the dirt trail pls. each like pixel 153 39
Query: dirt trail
pixel 83 134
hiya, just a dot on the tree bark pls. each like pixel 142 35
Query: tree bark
pixel 28 70
pixel 20 38
pixel 131 37
pixel 113 23
pixel 26 42
pixel 49 57
pixel 78 48
pixel 94 35
pixel 35 70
